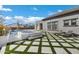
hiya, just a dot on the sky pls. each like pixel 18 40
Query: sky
pixel 30 13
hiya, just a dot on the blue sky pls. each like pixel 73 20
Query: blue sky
pixel 29 13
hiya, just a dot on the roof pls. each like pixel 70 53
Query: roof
pixel 61 13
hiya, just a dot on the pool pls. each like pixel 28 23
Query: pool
pixel 19 35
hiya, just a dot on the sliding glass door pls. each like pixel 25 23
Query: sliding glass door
pixel 52 26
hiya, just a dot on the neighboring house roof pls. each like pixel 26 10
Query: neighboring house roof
pixel 61 13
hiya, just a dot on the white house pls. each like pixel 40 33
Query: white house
pixel 64 21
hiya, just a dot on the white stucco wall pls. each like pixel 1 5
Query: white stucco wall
pixel 61 24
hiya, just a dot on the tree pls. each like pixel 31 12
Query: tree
pixel 1 20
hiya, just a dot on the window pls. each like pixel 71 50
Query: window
pixel 66 22
pixel 74 22
pixel 49 26
pixel 70 22
pixel 54 25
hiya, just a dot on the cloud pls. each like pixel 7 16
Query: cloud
pixel 8 17
pixel 30 19
pixel 19 17
pixel 22 19
pixel 4 9
pixel 60 10
pixel 33 19
pixel 52 13
pixel 9 20
pixel 35 9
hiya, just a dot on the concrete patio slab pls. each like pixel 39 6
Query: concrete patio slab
pixel 60 51
pixel 35 43
pixel 66 45
pixel 33 49
pixel 27 42
pixel 52 40
pixel 75 44
pixel 74 51
pixel 37 40
pixel 45 43
pixel 12 46
pixel 61 40
pixel 19 42
pixel 76 41
pixel 71 38
pixel 44 40
pixel 69 41
pixel 55 44
pixel 21 48
pixel 46 50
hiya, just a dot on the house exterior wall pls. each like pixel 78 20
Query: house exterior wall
pixel 37 25
pixel 60 26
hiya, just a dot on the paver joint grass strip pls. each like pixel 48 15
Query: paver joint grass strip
pixel 53 51
pixel 10 51
pixel 70 43
pixel 40 45
pixel 25 51
pixel 7 49
pixel 61 44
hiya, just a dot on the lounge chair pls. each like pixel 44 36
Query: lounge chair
pixel 69 34
pixel 32 34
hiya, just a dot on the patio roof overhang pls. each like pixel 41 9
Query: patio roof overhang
pixel 60 14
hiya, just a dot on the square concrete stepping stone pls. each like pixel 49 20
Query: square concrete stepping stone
pixel 3 50
pixel 45 43
pixel 71 38
pixel 66 44
pixel 37 39
pixel 60 51
pixel 77 38
pixel 73 51
pixel 62 37
pixel 21 48
pixel 46 50
pixel 56 37
pixel 55 44
pixel 69 41
pixel 33 49
pixel 35 43
pixel 76 41
pixel 61 40
pixel 44 40
pixel 19 42
pixel 52 40
pixel 75 44
pixel 27 42
pixel 12 47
